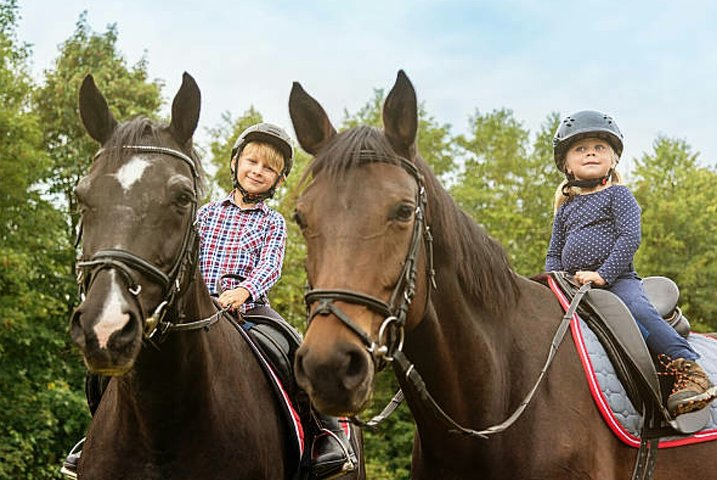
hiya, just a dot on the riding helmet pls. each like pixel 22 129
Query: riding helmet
pixel 268 133
pixel 586 123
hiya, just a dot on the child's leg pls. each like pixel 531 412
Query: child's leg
pixel 659 335
pixel 331 451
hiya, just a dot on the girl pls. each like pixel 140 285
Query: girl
pixel 596 232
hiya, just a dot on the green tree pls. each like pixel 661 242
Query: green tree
pixel 503 184
pixel 39 412
pixel 678 224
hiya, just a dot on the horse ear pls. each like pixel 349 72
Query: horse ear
pixel 185 110
pixel 94 111
pixel 311 124
pixel 400 116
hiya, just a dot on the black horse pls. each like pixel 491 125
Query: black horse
pixel 188 398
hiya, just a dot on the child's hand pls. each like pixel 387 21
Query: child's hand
pixel 234 298
pixel 584 277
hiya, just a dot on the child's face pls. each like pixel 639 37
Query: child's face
pixel 589 158
pixel 254 172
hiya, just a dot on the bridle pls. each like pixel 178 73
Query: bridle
pixel 388 348
pixel 391 332
pixel 127 264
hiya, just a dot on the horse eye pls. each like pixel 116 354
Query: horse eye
pixel 299 219
pixel 184 199
pixel 404 212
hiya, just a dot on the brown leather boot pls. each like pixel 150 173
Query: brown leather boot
pixel 692 389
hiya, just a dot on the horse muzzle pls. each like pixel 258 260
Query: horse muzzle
pixel 338 380
pixel 108 330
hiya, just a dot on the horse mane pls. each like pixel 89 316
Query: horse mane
pixel 480 262
pixel 141 130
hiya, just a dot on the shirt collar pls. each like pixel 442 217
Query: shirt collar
pixel 257 206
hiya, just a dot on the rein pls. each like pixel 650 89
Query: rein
pixel 127 263
pixel 405 368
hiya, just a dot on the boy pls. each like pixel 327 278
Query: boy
pixel 241 252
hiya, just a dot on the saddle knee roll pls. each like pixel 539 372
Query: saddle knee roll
pixel 278 351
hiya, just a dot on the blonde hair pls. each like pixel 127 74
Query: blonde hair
pixel 270 154
pixel 563 194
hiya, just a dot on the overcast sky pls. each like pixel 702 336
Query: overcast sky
pixel 652 64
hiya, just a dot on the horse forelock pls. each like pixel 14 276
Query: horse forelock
pixel 143 131
pixel 480 262
pixel 348 150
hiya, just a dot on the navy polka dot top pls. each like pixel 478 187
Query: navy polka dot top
pixel 597 232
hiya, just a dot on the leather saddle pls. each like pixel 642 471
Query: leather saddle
pixel 277 340
pixel 611 321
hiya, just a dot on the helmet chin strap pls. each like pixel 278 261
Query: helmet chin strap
pixel 592 183
pixel 254 197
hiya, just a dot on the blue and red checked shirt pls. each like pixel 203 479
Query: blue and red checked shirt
pixel 248 242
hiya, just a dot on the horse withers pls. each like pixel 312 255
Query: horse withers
pixel 398 271
pixel 188 398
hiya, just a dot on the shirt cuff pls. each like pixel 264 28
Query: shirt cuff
pixel 252 291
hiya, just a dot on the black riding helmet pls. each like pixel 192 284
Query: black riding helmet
pixel 276 137
pixel 586 123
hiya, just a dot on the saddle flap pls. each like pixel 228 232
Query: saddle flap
pixel 624 331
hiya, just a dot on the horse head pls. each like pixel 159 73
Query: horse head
pixel 137 204
pixel 363 218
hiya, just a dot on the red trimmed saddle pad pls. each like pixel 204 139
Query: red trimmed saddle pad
pixel 611 397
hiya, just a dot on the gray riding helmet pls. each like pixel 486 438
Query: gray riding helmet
pixel 271 134
pixel 586 123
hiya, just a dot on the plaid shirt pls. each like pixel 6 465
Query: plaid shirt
pixel 245 242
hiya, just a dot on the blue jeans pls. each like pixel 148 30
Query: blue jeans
pixel 659 335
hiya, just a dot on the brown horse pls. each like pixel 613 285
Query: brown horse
pixel 188 398
pixel 479 338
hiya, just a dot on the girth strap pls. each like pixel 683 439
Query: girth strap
pixel 649 446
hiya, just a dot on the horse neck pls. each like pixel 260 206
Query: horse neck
pixel 458 344
pixel 461 347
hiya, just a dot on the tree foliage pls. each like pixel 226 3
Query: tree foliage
pixel 678 224
pixel 39 411
pixel 44 152
pixel 505 184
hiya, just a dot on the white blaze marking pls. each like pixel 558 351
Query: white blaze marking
pixel 131 172
pixel 112 319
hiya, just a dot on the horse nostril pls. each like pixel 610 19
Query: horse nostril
pixel 76 332
pixel 299 373
pixel 126 337
pixel 356 369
